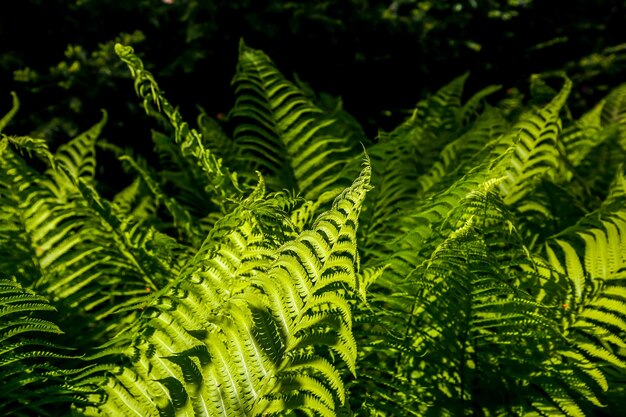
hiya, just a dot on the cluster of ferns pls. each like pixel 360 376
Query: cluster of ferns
pixel 470 262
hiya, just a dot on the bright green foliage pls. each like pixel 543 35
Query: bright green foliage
pixel 206 167
pixel 30 354
pixel 474 267
pixel 281 132
pixel 248 325
pixel 7 118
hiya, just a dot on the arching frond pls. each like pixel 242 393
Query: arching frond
pixel 345 124
pixel 67 249
pixel 459 154
pixel 425 154
pixel 26 145
pixel 30 377
pixel 132 202
pixel 461 304
pixel 216 177
pixel 471 107
pixel 4 121
pixel 581 136
pixel 182 219
pixel 252 325
pixel 534 148
pixel 614 111
pixel 78 156
pixel 590 256
pixel 282 133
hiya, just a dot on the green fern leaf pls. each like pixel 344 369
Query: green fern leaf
pixel 182 219
pixel 78 156
pixel 30 377
pixel 534 149
pixel 282 132
pixel 218 179
pixel 237 333
pixel 4 121
pixel 614 111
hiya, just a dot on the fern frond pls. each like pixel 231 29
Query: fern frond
pixel 217 139
pixel 216 177
pixel 590 256
pixel 534 148
pixel 78 156
pixel 580 137
pixel 281 132
pixel 23 194
pixel 306 289
pixel 459 154
pixel 425 156
pixel 81 258
pixel 30 375
pixel 431 126
pixel 181 217
pixel 153 271
pixel 345 125
pixel 250 325
pixel 617 190
pixel 4 121
pixel 470 273
pixel 304 215
pixel 614 111
pixel 441 111
pixel 131 201
pixel 470 108
pixel 30 146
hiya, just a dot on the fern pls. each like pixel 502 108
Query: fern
pixel 31 360
pixel 189 141
pixel 482 274
pixel 249 326
pixel 281 132
pixel 7 117
pixel 68 246
pixel 535 152
pixel 78 157
pixel 613 111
